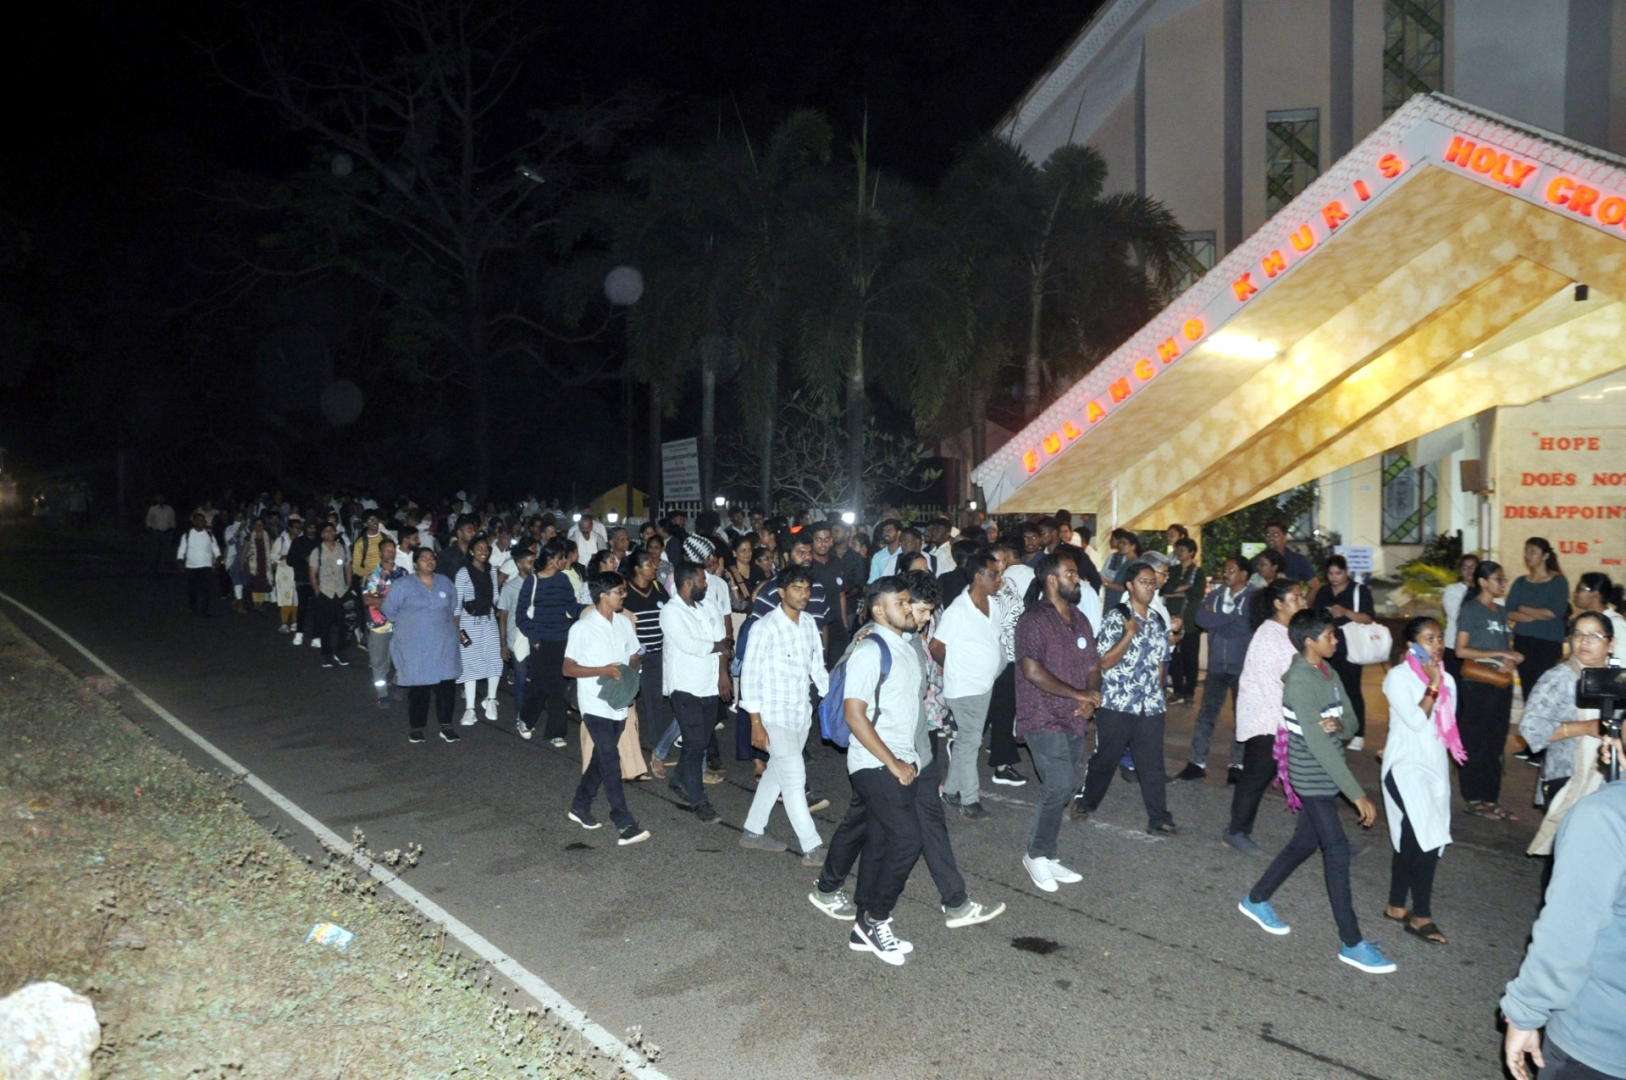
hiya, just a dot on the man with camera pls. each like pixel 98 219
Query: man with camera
pixel 1573 979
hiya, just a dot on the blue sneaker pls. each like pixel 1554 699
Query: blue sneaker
pixel 1263 914
pixel 1368 957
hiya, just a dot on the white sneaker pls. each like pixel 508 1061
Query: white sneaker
pixel 1357 743
pixel 491 708
pixel 1060 873
pixel 285 629
pixel 469 718
pixel 1039 871
pixel 316 643
pixel 299 638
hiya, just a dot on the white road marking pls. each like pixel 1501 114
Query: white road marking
pixel 545 995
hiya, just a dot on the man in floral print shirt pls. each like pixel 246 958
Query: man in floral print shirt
pixel 1134 644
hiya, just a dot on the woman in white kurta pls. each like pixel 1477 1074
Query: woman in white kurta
pixel 1417 774
pixel 481 654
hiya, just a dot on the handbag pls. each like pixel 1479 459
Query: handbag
pixel 1488 672
pixel 1366 643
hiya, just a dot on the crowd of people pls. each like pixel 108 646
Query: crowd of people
pixel 933 640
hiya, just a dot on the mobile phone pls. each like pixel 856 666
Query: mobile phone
pixel 463 636
pixel 1418 651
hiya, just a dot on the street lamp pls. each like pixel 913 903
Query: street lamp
pixel 720 502
pixel 612 517
pixel 576 518
pixel 848 517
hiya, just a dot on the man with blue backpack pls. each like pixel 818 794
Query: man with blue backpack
pixel 880 693
pixel 848 841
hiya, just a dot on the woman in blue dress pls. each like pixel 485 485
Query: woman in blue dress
pixel 424 647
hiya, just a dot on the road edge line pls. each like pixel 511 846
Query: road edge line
pixel 546 996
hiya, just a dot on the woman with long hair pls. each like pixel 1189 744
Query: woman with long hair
pixel 1482 634
pixel 739 573
pixel 1537 607
pixel 1259 704
pixel 481 637
pixel 1423 739
pixel 1451 600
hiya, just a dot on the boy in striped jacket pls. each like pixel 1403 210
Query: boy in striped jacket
pixel 1310 763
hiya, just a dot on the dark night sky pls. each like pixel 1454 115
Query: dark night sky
pixel 931 74
pixel 118 130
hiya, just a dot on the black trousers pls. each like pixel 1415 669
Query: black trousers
pixel 200 584
pixel 1183 672
pixel 1258 770
pixel 1350 675
pixel 1539 656
pixel 1483 717
pixel 302 618
pixel 1002 748
pixel 696 718
pixel 1143 736
pixel 848 839
pixel 327 623
pixel 545 686
pixel 891 840
pixel 445 694
pixel 652 716
pixel 1411 871
pixel 163 549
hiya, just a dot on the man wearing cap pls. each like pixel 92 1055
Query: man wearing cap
pixel 601 654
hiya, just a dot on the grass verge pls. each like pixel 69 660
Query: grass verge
pixel 136 879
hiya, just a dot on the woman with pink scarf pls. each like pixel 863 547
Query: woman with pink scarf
pixel 1422 741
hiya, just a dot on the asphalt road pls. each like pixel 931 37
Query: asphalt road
pixel 1146 969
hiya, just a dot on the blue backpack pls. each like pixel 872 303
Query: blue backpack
pixel 833 709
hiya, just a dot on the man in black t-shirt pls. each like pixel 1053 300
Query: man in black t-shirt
pixel 828 573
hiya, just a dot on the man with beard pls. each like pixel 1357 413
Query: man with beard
pixel 694 677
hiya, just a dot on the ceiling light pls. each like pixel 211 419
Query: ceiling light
pixel 1243 348
pixel 1468 354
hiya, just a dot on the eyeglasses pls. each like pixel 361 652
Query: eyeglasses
pixel 1587 635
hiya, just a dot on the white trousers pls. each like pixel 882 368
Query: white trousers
pixel 786 775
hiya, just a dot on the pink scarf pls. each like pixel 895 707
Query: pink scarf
pixel 1445 711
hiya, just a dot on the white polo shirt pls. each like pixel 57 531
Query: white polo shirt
pixel 689 632
pixel 595 641
pixel 973 657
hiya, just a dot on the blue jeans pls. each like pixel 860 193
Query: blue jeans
pixel 1216 684
pixel 604 768
pixel 1056 756
pixel 1318 827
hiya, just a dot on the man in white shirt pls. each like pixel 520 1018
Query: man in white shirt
pixel 588 536
pixel 693 648
pixel 784 656
pixel 198 555
pixel 887 725
pixel 601 644
pixel 161 528
pixel 967 645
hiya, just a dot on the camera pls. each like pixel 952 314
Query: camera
pixel 1604 689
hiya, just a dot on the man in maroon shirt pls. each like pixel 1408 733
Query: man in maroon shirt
pixel 1058 688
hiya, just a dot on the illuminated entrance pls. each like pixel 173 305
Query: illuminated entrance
pixel 1430 276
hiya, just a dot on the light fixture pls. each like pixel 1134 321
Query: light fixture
pixel 848 517
pixel 612 517
pixel 1243 348
pixel 972 505
pixel 575 517
pixel 720 502
pixel 1468 354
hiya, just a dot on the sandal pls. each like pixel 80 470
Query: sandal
pixel 1428 931
pixel 1489 810
pixel 1402 917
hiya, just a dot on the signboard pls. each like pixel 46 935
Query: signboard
pixel 1559 475
pixel 680 470
pixel 1358 556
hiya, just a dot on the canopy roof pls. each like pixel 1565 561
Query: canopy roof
pixel 1429 275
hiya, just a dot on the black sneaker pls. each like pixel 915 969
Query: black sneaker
pixel 632 834
pixel 973 812
pixel 449 734
pixel 415 736
pixel 680 796
pixel 327 663
pixel 949 798
pixel 706 814
pixel 585 819
pixel 341 661
pixel 1127 773
pixel 1007 775
pixel 1192 771
pixel 1233 776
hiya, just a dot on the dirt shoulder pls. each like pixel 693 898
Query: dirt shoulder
pixel 135 879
